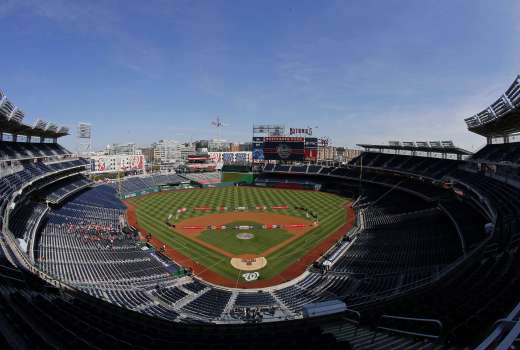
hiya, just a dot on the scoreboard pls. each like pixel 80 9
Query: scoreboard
pixel 285 148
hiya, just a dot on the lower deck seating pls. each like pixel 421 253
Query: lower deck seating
pixel 170 295
pixel 141 183
pixel 254 299
pixel 311 289
pixel 195 286
pixel 210 305
pixel 82 244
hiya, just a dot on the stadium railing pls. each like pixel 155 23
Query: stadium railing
pixel 505 332
pixel 423 324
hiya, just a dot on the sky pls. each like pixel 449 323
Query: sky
pixel 365 71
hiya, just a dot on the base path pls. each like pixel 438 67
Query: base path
pixel 291 272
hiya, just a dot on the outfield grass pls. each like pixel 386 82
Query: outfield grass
pixel 152 212
pixel 227 240
pixel 237 177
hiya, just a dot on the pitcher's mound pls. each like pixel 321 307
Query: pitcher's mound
pixel 248 262
pixel 245 235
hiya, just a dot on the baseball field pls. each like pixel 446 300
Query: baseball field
pixel 224 233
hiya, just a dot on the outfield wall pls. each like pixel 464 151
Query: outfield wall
pixel 140 193
pixel 289 184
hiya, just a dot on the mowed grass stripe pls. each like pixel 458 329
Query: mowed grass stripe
pixel 152 211
pixel 192 250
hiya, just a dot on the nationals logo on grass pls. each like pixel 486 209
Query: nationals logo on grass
pixel 251 276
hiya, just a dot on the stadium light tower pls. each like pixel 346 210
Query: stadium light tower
pixel 84 137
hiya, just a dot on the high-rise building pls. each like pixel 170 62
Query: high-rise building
pixel 346 154
pixel 148 153
pixel 167 150
pixel 326 153
pixel 219 145
pixel 121 148
pixel 172 151
pixel 186 149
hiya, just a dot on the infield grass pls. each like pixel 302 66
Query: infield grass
pixel 227 239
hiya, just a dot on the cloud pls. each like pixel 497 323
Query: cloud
pixel 333 107
pixel 298 65
pixel 99 20
pixel 89 16
pixel 7 7
pixel 425 122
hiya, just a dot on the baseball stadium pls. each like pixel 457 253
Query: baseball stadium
pixel 363 192
pixel 376 253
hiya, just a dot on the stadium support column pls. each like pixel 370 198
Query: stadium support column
pixel 361 177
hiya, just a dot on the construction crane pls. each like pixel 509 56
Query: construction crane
pixel 219 125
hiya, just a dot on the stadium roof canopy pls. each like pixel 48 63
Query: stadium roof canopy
pixel 444 147
pixel 502 117
pixel 11 121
